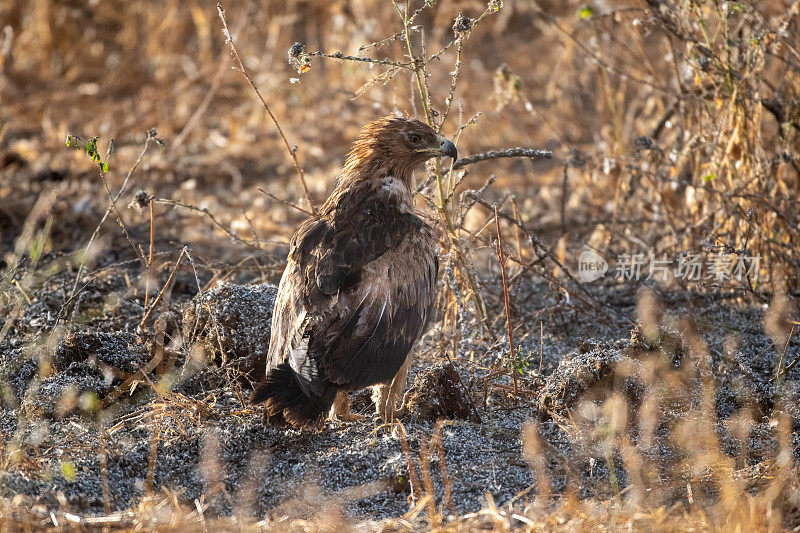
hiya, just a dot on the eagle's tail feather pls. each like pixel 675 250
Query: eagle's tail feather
pixel 286 402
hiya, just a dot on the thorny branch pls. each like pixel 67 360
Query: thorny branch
pixel 342 57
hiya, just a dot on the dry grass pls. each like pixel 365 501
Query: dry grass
pixel 673 127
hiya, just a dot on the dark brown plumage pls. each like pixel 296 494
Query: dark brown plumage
pixel 359 283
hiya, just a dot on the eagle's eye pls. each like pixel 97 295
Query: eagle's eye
pixel 415 139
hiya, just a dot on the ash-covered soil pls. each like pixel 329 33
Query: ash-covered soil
pixel 87 394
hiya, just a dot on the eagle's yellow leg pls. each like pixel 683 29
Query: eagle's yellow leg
pixel 341 409
pixel 385 395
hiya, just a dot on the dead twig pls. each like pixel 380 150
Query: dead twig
pixel 149 265
pixel 502 258
pixel 284 202
pixel 104 469
pixel 543 252
pixel 788 368
pixel 163 290
pixel 205 212
pixel 529 153
pixel 292 150
pixel 340 56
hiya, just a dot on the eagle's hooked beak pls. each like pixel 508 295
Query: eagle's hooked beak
pixel 447 148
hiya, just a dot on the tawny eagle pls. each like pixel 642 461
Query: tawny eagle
pixel 359 283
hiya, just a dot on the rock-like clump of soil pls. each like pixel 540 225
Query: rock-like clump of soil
pixel 232 324
pixel 439 393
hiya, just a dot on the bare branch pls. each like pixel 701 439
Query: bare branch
pixel 238 61
pixel 529 153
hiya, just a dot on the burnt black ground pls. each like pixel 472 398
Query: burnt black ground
pixel 54 375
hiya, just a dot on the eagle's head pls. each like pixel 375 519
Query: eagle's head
pixel 395 146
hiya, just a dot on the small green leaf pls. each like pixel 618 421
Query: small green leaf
pixel 69 140
pixel 710 177
pixel 104 166
pixel 586 12
pixel 68 471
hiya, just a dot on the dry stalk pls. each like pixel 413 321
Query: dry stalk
pixel 292 151
pixel 151 462
pixel 544 252
pixel 782 371
pixel 453 83
pixel 284 202
pixel 528 153
pixel 103 456
pixel 427 482
pixel 413 480
pixel 501 257
pixel 447 481
pixel 151 136
pixel 167 285
pixel 419 73
pixel 149 265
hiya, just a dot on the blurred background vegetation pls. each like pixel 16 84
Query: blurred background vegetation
pixel 674 124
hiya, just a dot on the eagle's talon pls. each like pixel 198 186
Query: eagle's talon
pixel 341 409
pixel 348 417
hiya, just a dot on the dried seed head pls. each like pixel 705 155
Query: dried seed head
pixel 296 50
pixel 140 200
pixel 462 24
pixel 298 58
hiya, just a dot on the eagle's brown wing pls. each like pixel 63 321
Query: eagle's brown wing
pixel 381 315
pixel 359 296
pixel 334 253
